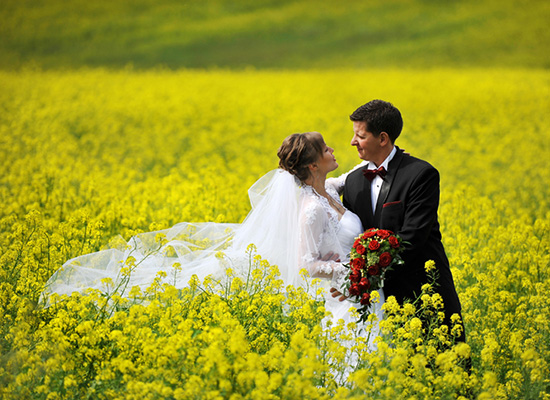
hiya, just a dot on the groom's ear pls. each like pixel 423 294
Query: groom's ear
pixel 384 138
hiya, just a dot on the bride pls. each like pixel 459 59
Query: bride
pixel 297 221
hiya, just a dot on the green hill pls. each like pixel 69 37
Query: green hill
pixel 274 33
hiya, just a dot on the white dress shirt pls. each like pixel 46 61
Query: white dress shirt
pixel 376 183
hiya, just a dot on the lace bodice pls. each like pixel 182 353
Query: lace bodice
pixel 323 233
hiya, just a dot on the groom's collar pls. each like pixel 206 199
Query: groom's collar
pixel 386 162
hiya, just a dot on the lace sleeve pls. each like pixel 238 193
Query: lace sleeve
pixel 317 240
pixel 337 183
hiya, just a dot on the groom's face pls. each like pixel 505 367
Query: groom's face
pixel 368 145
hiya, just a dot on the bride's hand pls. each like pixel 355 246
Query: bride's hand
pixel 330 256
pixel 336 293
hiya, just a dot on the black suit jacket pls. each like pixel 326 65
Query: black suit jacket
pixel 407 205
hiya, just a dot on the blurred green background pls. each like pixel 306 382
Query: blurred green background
pixel 275 34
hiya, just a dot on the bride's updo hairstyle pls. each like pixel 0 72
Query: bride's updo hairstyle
pixel 300 150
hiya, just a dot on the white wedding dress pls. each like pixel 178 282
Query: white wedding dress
pixel 291 225
pixel 322 231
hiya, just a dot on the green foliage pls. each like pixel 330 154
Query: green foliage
pixel 274 34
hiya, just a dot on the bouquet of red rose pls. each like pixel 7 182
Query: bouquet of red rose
pixel 373 254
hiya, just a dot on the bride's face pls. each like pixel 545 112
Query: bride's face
pixel 327 161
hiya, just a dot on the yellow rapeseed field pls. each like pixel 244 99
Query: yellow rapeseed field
pixel 92 154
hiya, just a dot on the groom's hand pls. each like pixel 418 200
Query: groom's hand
pixel 336 293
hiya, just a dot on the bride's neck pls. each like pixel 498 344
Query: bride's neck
pixel 317 182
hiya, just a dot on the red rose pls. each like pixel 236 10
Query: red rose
pixel 358 262
pixel 355 276
pixel 364 284
pixel 394 242
pixel 385 259
pixel 374 270
pixel 361 249
pixel 383 234
pixel 356 243
pixel 374 245
pixel 369 234
pixel 365 299
pixel 354 290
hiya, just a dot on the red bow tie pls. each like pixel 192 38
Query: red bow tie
pixel 370 174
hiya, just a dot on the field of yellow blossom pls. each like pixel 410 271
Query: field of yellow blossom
pixel 94 153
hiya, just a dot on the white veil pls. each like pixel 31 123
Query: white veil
pixel 188 249
pixel 272 224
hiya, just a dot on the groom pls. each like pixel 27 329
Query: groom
pixel 399 193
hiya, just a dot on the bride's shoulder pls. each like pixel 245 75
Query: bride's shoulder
pixel 312 209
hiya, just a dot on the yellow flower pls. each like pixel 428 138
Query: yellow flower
pixel 61 180
pixel 429 265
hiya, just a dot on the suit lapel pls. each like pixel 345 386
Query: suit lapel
pixel 386 184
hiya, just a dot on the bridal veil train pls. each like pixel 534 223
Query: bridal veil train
pixel 188 249
pixel 290 224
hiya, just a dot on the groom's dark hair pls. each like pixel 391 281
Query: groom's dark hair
pixel 380 116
